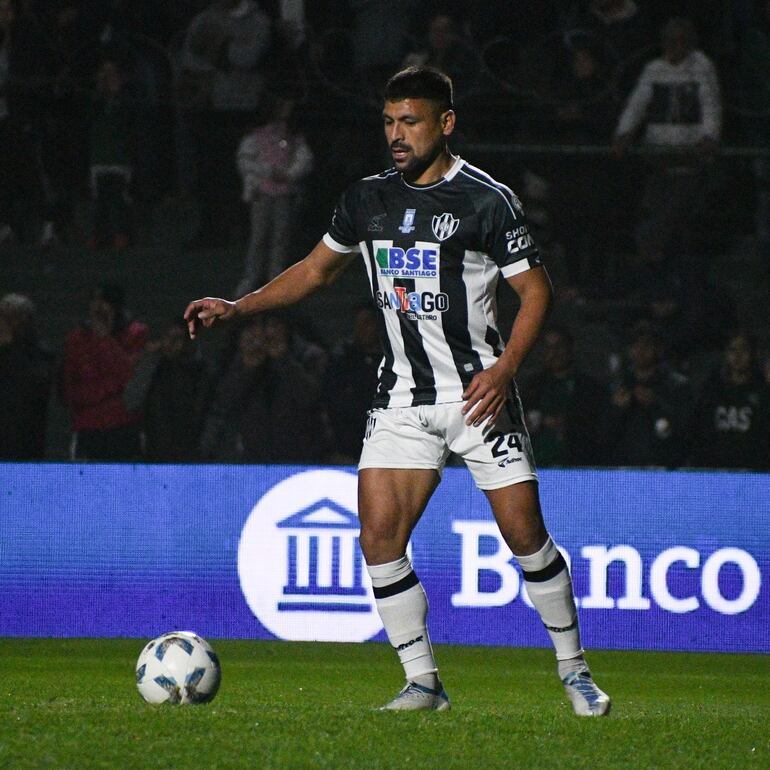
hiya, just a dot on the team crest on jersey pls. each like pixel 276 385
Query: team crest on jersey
pixel 444 226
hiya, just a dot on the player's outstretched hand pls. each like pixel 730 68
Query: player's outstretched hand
pixel 207 311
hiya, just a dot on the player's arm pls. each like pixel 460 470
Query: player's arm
pixel 318 269
pixel 488 390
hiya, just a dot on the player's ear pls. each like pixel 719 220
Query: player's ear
pixel 447 122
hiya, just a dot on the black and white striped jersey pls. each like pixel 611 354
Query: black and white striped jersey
pixel 434 254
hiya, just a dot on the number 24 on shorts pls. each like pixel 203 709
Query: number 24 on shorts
pixel 502 443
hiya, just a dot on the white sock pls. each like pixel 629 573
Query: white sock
pixel 549 586
pixel 403 607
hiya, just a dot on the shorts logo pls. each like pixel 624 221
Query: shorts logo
pixel 444 226
pixel 407 263
pixel 299 563
pixel 407 225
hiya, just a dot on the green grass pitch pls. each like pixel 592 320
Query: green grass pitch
pixel 72 703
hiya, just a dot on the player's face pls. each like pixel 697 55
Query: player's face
pixel 416 132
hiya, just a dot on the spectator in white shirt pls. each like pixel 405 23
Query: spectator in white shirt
pixel 273 160
pixel 677 99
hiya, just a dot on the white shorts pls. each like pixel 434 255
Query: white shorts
pixel 423 436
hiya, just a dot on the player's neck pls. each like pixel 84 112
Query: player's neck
pixel 434 171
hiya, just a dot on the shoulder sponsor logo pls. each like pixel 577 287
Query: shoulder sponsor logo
pixel 300 567
pixel 444 226
pixel 519 239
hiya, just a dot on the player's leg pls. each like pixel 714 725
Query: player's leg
pixel 516 508
pixel 501 461
pixel 399 469
pixel 391 501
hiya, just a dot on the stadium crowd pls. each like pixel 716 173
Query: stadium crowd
pixel 609 117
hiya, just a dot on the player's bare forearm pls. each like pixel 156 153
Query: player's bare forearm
pixel 536 296
pixel 320 268
pixel 488 390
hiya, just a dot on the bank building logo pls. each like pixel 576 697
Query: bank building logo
pixel 300 567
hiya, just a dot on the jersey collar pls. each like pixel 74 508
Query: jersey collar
pixel 453 170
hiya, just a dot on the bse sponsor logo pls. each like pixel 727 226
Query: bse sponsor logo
pixel 477 538
pixel 444 226
pixel 300 567
pixel 518 239
pixel 417 262
pixel 419 305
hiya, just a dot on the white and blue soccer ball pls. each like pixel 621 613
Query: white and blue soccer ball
pixel 179 667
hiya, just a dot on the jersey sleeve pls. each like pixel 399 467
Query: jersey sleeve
pixel 342 235
pixel 508 240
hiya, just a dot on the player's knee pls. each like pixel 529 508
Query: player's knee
pixel 381 541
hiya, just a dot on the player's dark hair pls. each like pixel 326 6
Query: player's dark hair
pixel 421 83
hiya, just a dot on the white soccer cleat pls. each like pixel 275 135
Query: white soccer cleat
pixel 415 697
pixel 587 699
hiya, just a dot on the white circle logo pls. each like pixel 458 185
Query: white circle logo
pixel 299 563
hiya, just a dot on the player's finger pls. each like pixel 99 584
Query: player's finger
pixel 469 391
pixel 190 310
pixel 479 410
pixel 490 412
pixel 474 398
pixel 190 316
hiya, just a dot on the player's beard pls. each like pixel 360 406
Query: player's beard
pixel 416 164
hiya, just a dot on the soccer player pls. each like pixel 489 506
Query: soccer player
pixel 435 234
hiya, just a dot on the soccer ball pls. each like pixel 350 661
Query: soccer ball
pixel 179 667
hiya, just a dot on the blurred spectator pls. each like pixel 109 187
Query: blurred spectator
pixel 647 419
pixel 754 74
pixel 170 386
pixel 219 85
pixel 564 407
pixel 381 33
pixel 99 359
pixel 677 99
pixel 620 23
pixel 446 50
pixel 266 404
pixel 272 160
pixel 24 74
pixel 73 36
pixel 689 312
pixel 731 420
pixel 350 382
pixel 582 187
pixel 26 375
pixel 113 146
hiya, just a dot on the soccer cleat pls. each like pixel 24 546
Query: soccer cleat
pixel 587 699
pixel 415 697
